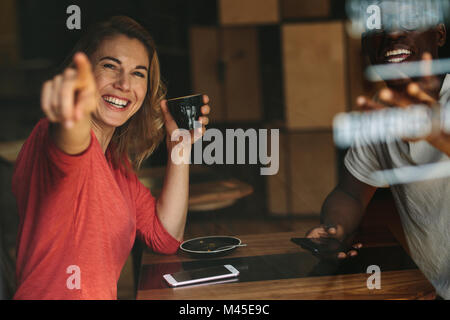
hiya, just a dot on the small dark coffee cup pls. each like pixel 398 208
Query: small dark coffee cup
pixel 186 110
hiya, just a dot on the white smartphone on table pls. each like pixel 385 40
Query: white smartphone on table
pixel 201 275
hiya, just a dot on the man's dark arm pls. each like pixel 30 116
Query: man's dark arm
pixel 346 204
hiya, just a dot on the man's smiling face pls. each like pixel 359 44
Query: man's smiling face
pixel 399 46
pixel 397 43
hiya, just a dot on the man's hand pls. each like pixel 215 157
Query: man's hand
pixel 68 97
pixel 425 91
pixel 333 231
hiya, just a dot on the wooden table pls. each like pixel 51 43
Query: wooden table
pixel 208 189
pixel 272 267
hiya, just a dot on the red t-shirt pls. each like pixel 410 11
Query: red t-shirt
pixel 78 220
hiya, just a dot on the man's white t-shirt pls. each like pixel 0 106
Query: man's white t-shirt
pixel 424 207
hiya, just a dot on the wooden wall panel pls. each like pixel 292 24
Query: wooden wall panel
pixel 293 9
pixel 278 185
pixel 225 65
pixel 242 74
pixel 314 74
pixel 9 33
pixel 306 176
pixel 236 12
pixel 357 62
pixel 355 69
pixel 205 56
pixel 313 171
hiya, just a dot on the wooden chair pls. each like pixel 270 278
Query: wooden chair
pixel 7 272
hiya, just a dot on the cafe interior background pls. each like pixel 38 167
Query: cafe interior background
pixel 272 64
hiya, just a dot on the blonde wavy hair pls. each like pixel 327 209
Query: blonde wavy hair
pixel 135 140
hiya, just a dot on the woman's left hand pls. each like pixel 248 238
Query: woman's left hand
pixel 171 125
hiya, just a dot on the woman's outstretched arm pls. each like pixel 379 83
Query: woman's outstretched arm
pixel 68 101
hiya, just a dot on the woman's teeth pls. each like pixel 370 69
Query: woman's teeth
pixel 119 103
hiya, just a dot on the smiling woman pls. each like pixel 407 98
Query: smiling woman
pixel 79 200
pixel 131 44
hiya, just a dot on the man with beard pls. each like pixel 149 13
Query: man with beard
pixel 424 206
